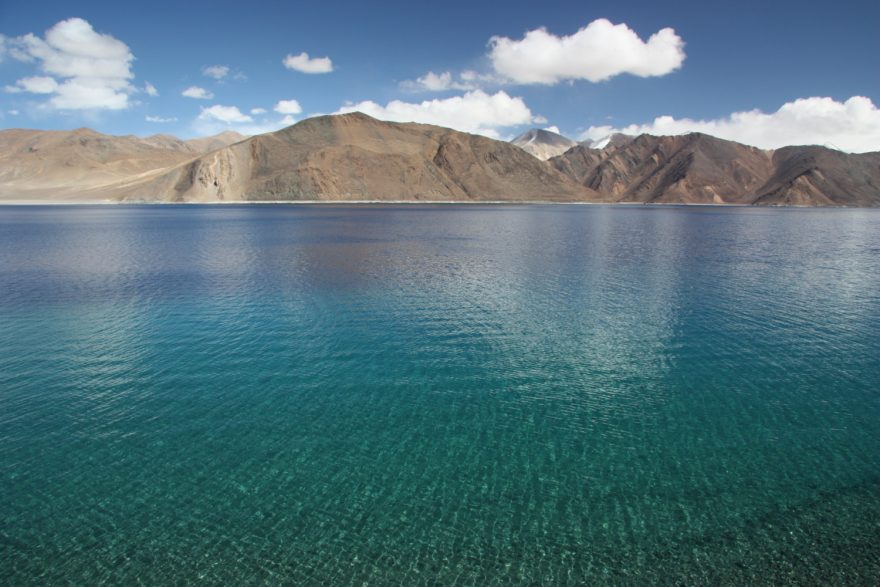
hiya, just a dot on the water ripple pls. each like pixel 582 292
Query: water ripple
pixel 439 395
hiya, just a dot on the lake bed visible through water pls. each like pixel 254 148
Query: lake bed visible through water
pixel 408 394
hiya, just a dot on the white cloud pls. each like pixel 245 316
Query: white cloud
pixel 86 94
pixel 13 112
pixel 288 107
pixel 89 70
pixel 853 125
pixel 160 119
pixel 445 81
pixel 150 89
pixel 476 112
pixel 215 71
pixel 218 118
pixel 305 64
pixel 15 47
pixel 197 93
pixel 437 82
pixel 12 89
pixel 434 82
pixel 554 129
pixel 227 114
pixel 597 52
pixel 206 128
pixel 38 85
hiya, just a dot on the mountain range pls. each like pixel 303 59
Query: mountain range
pixel 356 157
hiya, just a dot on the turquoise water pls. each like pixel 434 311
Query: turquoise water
pixel 439 395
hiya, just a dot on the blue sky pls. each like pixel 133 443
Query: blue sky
pixel 792 72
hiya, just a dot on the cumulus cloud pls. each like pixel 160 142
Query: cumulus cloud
pixel 437 82
pixel 34 85
pixel 597 52
pixel 434 82
pixel 88 70
pixel 445 81
pixel 160 119
pixel 150 89
pixel 219 118
pixel 197 93
pixel 305 64
pixel 215 71
pixel 228 114
pixel 288 107
pixel 475 112
pixel 853 125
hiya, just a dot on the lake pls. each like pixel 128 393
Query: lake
pixel 439 394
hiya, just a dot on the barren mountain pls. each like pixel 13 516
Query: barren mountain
pixel 816 176
pixel 198 146
pixel 543 144
pixel 692 168
pixel 356 157
pixel 208 144
pixel 73 164
pixel 698 168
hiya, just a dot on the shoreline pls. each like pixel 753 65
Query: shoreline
pixel 404 202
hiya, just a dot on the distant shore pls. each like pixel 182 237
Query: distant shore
pixel 395 203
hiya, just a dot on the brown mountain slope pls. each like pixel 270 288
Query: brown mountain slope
pixel 697 168
pixel 61 164
pixel 164 141
pixel 356 157
pixel 693 168
pixel 212 143
pixel 75 164
pixel 816 176
pixel 198 146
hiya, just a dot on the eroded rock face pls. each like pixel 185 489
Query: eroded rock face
pixel 691 168
pixel 816 176
pixel 698 168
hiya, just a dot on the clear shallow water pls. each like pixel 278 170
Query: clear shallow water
pixel 439 395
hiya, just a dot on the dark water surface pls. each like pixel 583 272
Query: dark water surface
pixel 469 395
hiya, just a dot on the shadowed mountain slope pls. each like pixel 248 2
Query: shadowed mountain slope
pixel 693 168
pixel 817 176
pixel 698 168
